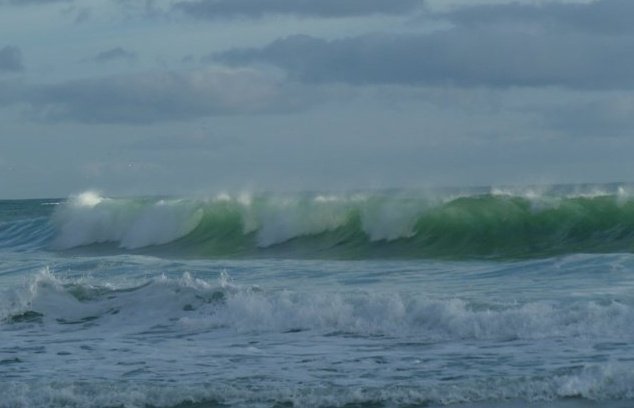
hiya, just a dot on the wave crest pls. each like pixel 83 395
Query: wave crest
pixel 90 219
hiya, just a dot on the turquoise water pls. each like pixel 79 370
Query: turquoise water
pixel 320 300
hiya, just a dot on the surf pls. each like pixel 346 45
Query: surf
pixel 188 304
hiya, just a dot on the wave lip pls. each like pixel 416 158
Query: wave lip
pixel 497 224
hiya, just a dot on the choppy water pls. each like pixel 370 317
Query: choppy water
pixel 101 305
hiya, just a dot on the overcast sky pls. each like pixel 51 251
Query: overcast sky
pixel 191 97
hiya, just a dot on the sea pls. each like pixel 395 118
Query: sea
pixel 476 297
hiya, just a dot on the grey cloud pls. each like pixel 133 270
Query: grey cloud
pixel 147 8
pixel 156 97
pixel 603 16
pixel 31 2
pixel 82 15
pixel 10 59
pixel 320 8
pixel 113 54
pixel 463 57
pixel 498 45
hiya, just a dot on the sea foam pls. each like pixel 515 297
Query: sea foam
pixel 188 303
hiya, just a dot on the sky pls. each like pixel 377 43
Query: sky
pixel 195 97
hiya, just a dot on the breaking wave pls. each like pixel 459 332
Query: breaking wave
pixel 492 224
pixel 190 304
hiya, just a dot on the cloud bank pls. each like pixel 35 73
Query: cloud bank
pixel 154 97
pixel 33 2
pixel 458 57
pixel 573 45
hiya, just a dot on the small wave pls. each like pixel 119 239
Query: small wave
pixel 190 304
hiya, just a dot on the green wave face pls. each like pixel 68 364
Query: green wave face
pixel 490 226
pixel 353 226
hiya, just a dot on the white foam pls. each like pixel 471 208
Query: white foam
pixel 86 199
pixel 89 219
pixel 200 305
pixel 282 219
pixel 390 219
pixel 530 193
pixel 161 223
pixel 393 314
pixel 381 219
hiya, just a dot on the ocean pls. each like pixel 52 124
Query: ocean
pixel 480 297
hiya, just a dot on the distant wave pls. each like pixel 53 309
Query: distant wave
pixel 492 224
